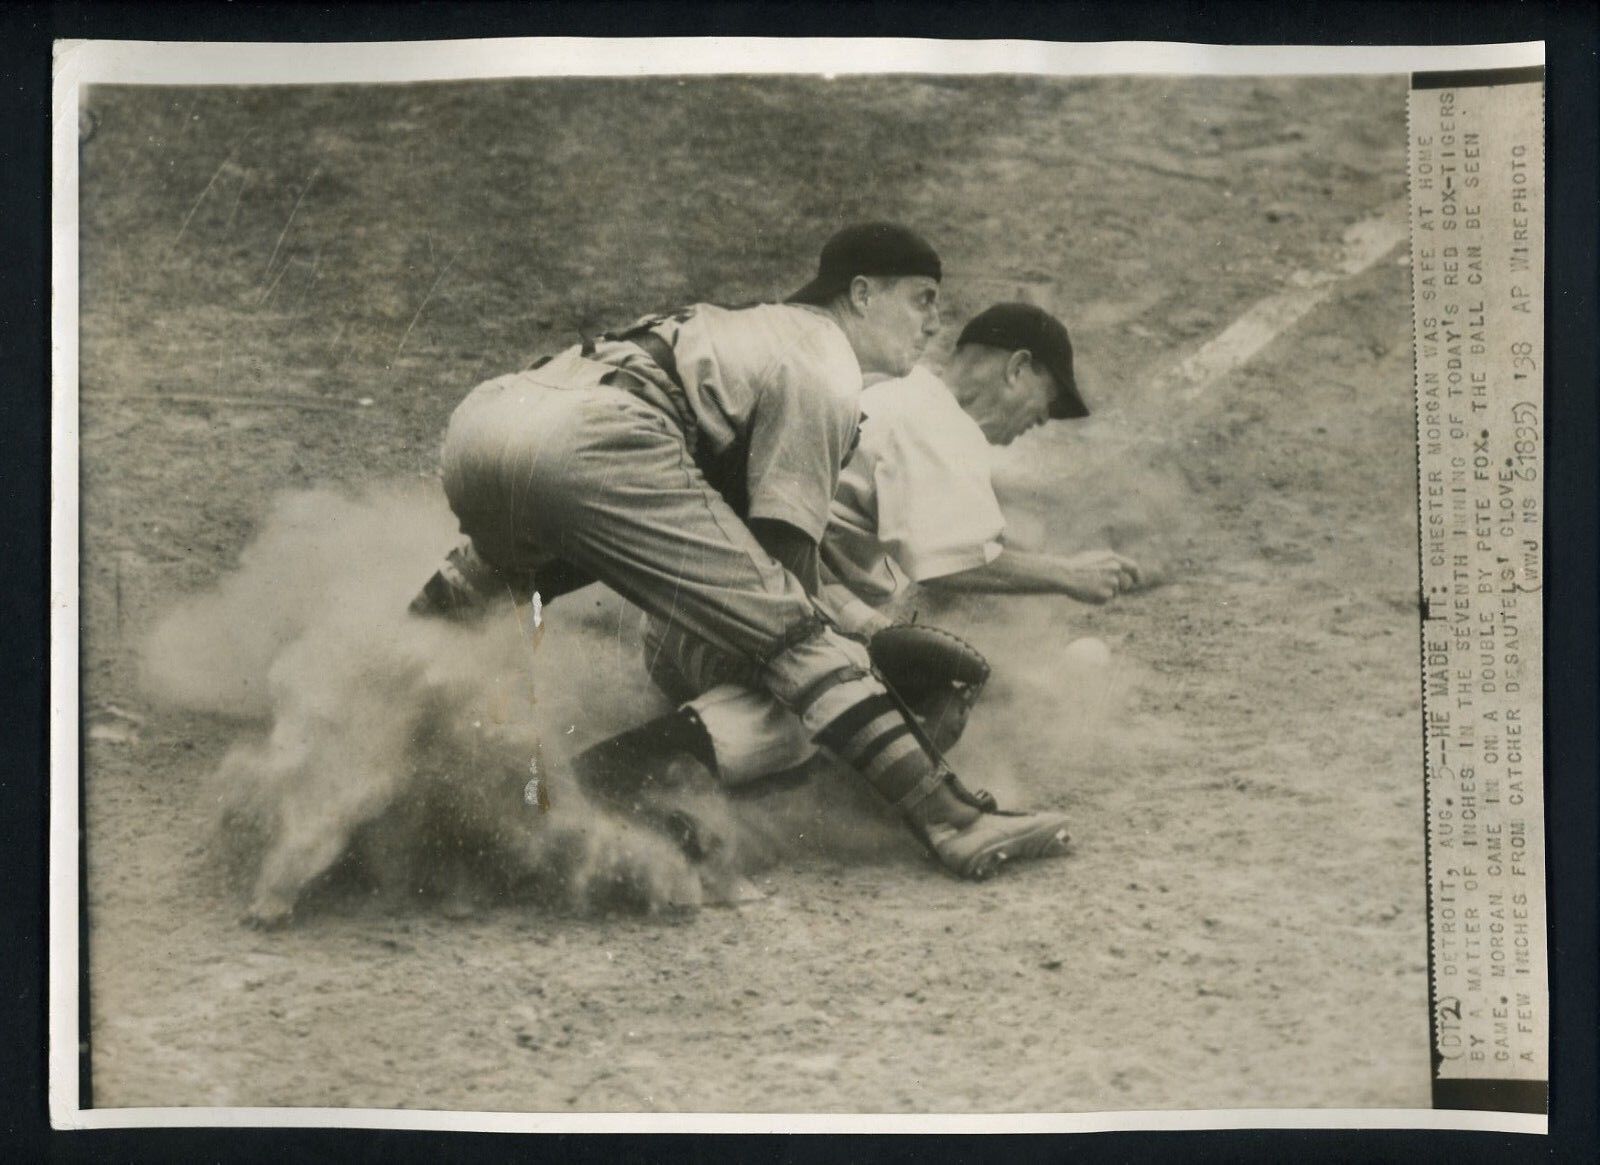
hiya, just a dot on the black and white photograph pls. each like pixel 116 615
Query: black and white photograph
pixel 636 582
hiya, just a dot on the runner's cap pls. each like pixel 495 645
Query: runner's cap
pixel 1018 326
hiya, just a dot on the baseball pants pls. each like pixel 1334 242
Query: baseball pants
pixel 752 734
pixel 559 463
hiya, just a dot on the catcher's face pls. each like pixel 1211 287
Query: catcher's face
pixel 895 319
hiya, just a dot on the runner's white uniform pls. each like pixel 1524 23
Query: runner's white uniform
pixel 916 501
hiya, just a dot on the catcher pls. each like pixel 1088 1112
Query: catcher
pixel 689 461
pixel 914 504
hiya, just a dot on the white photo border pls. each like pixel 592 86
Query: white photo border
pixel 83 62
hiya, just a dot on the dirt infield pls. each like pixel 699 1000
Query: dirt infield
pixel 287 290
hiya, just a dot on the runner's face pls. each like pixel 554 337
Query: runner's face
pixel 898 319
pixel 1035 389
pixel 1017 400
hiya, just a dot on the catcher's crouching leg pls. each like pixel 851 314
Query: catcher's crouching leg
pixel 853 716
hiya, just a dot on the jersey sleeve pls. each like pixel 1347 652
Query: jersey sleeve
pixel 802 425
pixel 937 511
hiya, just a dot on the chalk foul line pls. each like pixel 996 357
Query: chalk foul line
pixel 1364 245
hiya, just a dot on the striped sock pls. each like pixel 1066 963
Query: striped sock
pixel 873 737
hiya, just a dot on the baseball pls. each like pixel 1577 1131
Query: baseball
pixel 1089 651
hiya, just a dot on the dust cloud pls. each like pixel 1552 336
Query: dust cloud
pixel 403 746
pixel 408 756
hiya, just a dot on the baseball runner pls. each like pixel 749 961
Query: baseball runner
pixel 914 504
pixel 690 462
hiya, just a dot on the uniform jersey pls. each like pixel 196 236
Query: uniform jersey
pixel 772 394
pixel 916 500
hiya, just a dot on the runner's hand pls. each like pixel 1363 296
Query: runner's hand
pixel 1097 575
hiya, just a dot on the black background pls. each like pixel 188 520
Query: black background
pixel 1572 706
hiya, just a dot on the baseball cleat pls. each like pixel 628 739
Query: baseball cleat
pixel 978 850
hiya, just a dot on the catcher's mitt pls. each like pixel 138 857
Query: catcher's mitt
pixel 919 661
pixel 937 674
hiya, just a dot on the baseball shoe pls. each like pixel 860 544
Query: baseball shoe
pixel 978 849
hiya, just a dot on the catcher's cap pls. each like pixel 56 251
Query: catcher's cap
pixel 1018 326
pixel 871 248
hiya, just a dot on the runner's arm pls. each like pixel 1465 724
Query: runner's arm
pixel 1091 577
